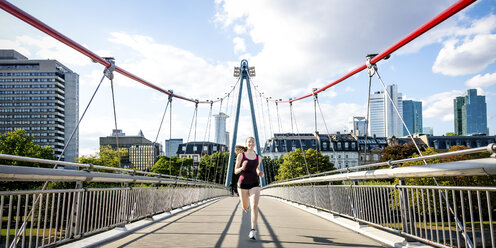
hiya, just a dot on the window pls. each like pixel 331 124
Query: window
pixel 353 145
pixel 346 145
pixel 195 148
pixel 184 148
pixel 205 148
pixel 339 145
pixel 324 145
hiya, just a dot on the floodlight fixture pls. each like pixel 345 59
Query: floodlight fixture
pixel 252 71
pixel 236 71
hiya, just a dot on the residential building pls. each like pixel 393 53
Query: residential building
pixel 445 142
pixel 197 149
pixel 370 148
pixel 41 97
pixel 341 148
pixel 171 146
pixel 384 120
pixel 141 152
pixel 470 114
pixel 412 115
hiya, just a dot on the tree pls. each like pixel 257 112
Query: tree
pixel 295 165
pixel 452 181
pixel 211 166
pixel 20 144
pixel 271 168
pixel 167 165
pixel 105 157
pixel 398 152
pixel 450 134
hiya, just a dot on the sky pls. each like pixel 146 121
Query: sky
pixel 192 47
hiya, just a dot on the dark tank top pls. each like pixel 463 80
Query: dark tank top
pixel 249 175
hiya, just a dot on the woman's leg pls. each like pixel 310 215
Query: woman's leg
pixel 244 198
pixel 254 197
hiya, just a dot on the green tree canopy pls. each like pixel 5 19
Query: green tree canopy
pixel 294 165
pixel 451 181
pixel 212 167
pixel 398 152
pixel 172 166
pixel 20 144
pixel 105 157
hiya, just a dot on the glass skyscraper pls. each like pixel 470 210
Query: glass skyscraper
pixel 384 121
pixel 171 146
pixel 470 114
pixel 412 115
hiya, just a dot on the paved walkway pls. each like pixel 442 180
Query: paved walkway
pixel 223 223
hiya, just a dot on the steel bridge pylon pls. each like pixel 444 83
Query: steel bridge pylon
pixel 244 73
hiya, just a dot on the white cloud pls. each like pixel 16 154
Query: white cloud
pixel 170 67
pixel 239 45
pixel 239 29
pixel 301 41
pixel 472 56
pixel 485 80
pixel 440 106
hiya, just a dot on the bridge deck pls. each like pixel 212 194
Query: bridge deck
pixel 223 224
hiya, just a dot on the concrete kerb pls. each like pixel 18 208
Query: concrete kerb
pixel 118 232
pixel 381 236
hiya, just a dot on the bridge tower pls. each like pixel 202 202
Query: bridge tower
pixel 245 73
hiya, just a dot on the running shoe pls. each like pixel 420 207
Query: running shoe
pixel 253 234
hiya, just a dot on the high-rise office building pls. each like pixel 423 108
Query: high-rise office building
pixel 41 97
pixel 427 130
pixel 171 146
pixel 357 125
pixel 470 113
pixel 384 121
pixel 221 136
pixel 412 115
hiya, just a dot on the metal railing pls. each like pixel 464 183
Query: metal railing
pixel 443 216
pixel 62 215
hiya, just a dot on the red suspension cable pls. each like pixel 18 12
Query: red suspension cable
pixel 31 20
pixel 13 10
pixel 453 9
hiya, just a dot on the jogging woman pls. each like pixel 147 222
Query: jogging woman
pixel 248 164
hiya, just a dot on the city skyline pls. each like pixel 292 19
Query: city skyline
pixel 192 48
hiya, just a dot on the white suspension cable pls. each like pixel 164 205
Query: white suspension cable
pixel 301 142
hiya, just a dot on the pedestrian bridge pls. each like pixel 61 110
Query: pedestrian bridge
pixel 134 208
pixel 364 206
pixel 222 223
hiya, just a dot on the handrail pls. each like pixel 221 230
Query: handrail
pixel 88 166
pixel 475 167
pixel 23 173
pixel 489 148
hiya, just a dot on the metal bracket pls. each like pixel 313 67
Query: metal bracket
pixel 492 149
pixel 109 71
pixel 372 67
pixel 391 165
